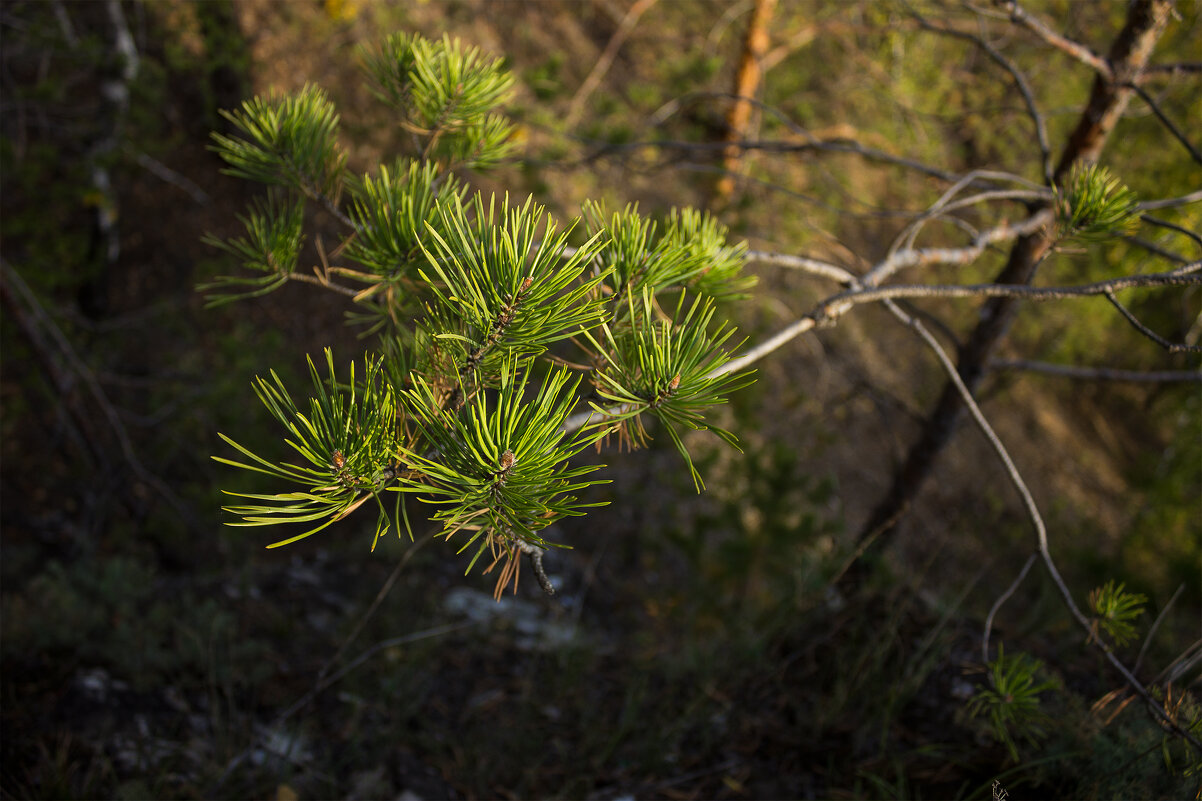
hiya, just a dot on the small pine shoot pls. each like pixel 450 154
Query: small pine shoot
pixel 1011 701
pixel 1093 204
pixel 1114 610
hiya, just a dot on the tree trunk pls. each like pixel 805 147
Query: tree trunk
pixel 747 82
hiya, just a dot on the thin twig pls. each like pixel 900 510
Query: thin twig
pixel 1173 70
pixel 1098 373
pixel 625 27
pixel 1062 43
pixel 382 645
pixel 1020 81
pixel 316 281
pixel 1187 276
pixel 1171 347
pixel 165 173
pixel 1041 532
pixel 812 144
pixel 1143 650
pixel 1159 223
pixel 375 604
pixel 832 308
pixel 1171 202
pixel 913 257
pixel 1160 115
pixel 766 347
pixel 862 546
pixel 1005 596
pixel 946 203
pixel 813 266
pixel 1157 250
pixel 1183 664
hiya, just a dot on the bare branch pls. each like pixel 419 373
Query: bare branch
pixel 1171 347
pixel 836 305
pixel 1160 115
pixel 1020 81
pixel 375 604
pixel 1098 373
pixel 1041 532
pixel 1150 220
pixel 821 269
pixel 912 257
pixel 605 61
pixel 752 356
pixel 1173 70
pixel 827 312
pixel 332 207
pixel 813 144
pixel 536 561
pixel 1157 250
pixel 165 173
pixel 1155 627
pixel 1076 50
pixel 1005 596
pixel 1172 202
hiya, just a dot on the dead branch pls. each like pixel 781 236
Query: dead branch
pixel 625 28
pixel 1187 276
pixel 821 269
pixel 827 312
pixel 1171 347
pixel 1173 70
pixel 1001 599
pixel 1130 51
pixel 1164 612
pixel 1165 121
pixel 1037 522
pixel 1097 373
pixel 165 173
pixel 1020 82
pixel 1041 29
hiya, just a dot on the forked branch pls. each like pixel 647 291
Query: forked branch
pixel 1041 533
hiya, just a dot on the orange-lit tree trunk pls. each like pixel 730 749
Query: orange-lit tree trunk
pixel 747 83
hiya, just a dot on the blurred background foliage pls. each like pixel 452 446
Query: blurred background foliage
pixel 695 650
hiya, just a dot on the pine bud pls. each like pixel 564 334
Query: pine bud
pixel 508 460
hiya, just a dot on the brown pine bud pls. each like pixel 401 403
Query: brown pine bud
pixel 508 460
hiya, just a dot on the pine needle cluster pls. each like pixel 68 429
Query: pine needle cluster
pixel 490 332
